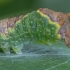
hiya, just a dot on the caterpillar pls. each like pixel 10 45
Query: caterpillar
pixel 43 26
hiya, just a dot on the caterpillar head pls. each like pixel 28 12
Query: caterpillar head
pixel 64 31
pixel 67 35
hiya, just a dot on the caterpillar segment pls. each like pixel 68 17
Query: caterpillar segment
pixel 35 26
pixel 63 20
pixel 58 17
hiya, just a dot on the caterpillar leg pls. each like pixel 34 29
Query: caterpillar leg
pixel 18 49
pixel 6 50
pixel 47 42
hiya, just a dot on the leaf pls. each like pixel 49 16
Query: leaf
pixel 38 57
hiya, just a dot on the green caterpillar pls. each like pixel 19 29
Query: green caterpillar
pixel 35 26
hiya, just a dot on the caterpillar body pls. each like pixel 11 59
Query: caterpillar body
pixel 35 26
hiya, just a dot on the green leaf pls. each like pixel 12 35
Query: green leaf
pixel 38 57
